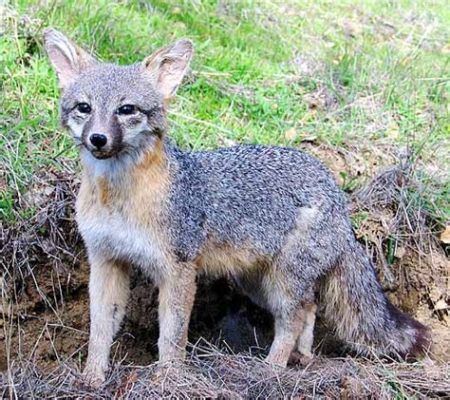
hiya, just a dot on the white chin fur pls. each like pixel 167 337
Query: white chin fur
pixel 112 167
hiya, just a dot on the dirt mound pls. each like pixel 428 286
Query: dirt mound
pixel 412 264
pixel 45 302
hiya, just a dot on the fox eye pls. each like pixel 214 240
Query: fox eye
pixel 83 108
pixel 127 109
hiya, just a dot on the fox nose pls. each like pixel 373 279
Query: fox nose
pixel 98 140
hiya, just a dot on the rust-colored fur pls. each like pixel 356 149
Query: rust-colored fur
pixel 147 183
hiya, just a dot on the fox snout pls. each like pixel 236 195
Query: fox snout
pixel 99 146
pixel 107 132
pixel 98 140
pixel 103 139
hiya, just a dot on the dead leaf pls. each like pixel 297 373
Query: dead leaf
pixel 309 138
pixel 352 29
pixel 441 305
pixel 227 142
pixel 400 252
pixel 446 49
pixel 392 130
pixel 445 235
pixel 290 134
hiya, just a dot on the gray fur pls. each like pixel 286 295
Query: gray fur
pixel 254 194
pixel 248 193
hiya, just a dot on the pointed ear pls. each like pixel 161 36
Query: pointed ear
pixel 168 66
pixel 67 58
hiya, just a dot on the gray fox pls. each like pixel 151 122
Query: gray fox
pixel 272 219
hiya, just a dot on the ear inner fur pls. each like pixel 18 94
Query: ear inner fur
pixel 68 59
pixel 168 66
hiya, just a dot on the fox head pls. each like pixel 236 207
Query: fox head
pixel 113 110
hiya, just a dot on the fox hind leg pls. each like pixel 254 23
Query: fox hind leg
pixel 268 290
pixel 294 330
pixel 295 273
pixel 290 292
pixel 305 339
pixel 287 326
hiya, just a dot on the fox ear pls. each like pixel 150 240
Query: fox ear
pixel 168 66
pixel 67 58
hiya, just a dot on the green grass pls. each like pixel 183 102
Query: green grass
pixel 383 65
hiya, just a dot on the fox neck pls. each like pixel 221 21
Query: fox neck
pixel 116 179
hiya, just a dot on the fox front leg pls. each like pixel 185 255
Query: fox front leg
pixel 108 292
pixel 176 298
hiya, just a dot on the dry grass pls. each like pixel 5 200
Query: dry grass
pixel 398 226
pixel 211 373
pixel 47 238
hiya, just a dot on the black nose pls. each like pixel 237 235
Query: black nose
pixel 98 140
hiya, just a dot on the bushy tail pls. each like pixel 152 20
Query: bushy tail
pixel 361 313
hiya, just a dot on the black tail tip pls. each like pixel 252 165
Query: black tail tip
pixel 422 342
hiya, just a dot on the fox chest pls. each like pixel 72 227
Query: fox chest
pixel 117 236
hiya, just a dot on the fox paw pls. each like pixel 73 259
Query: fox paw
pixel 93 376
pixel 298 358
pixel 276 360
